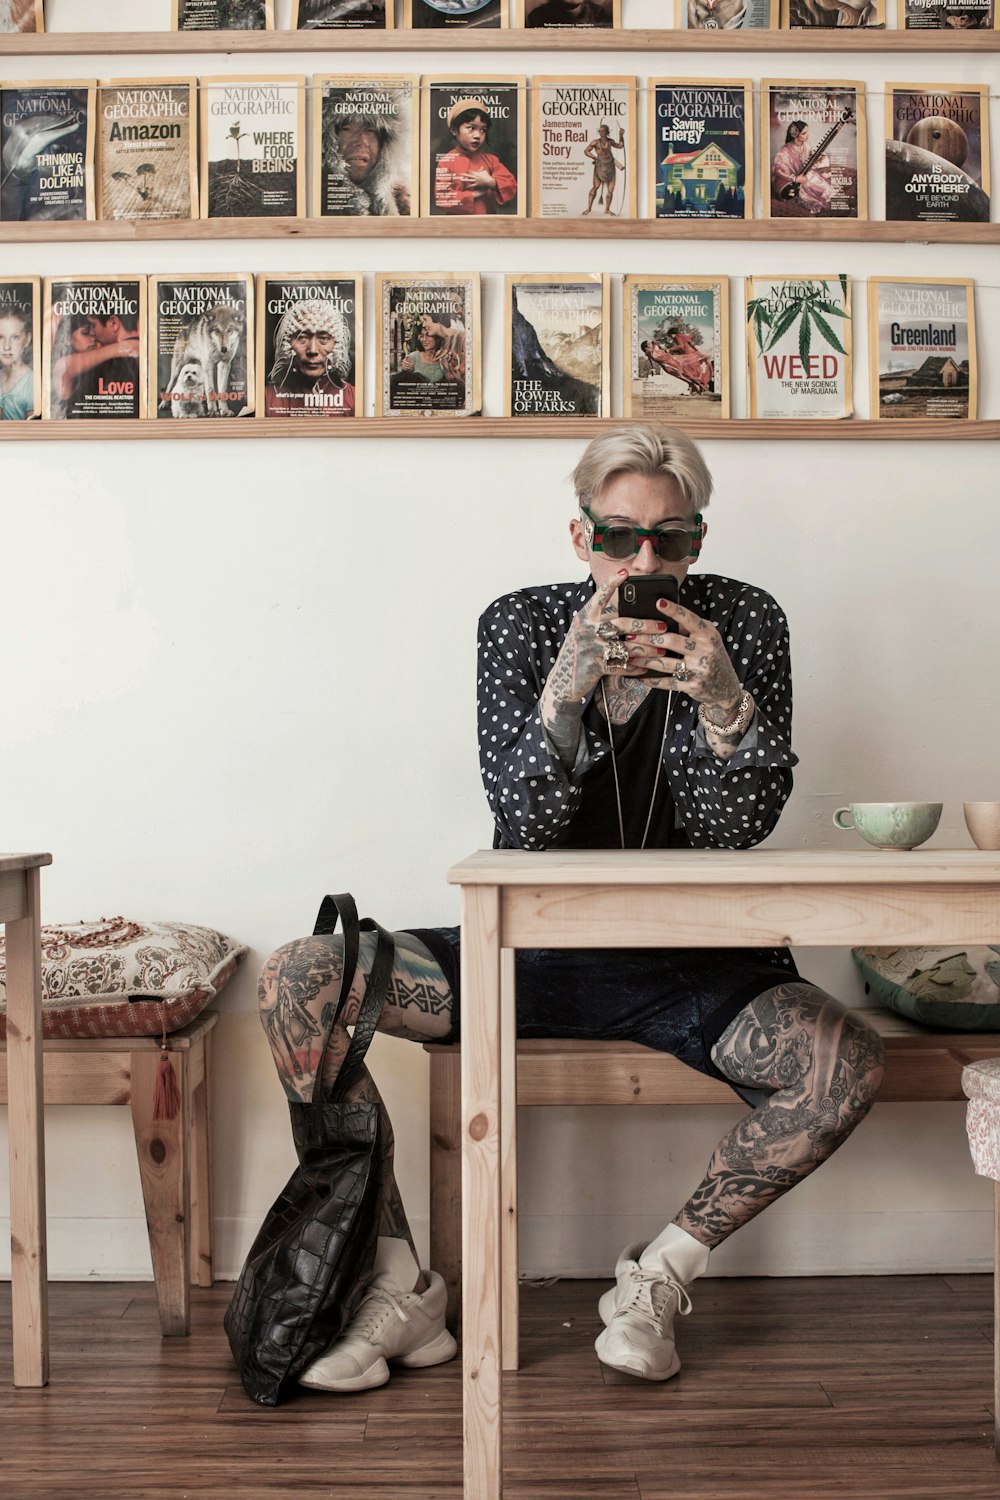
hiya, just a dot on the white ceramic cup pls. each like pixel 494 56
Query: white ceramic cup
pixel 982 819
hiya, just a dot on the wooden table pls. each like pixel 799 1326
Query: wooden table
pixel 684 898
pixel 19 912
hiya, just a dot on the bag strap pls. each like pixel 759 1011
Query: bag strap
pixel 344 909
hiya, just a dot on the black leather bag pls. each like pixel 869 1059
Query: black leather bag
pixel 312 1259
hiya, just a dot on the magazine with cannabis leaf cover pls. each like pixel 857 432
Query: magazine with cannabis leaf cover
pixel 22 15
pixel 676 348
pixel 20 348
pixel 922 347
pixel 94 347
pixel 799 346
pixel 147 150
pixel 223 15
pixel 253 160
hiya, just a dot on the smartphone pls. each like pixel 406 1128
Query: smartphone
pixel 637 596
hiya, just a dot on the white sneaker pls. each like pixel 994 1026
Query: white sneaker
pixel 638 1313
pixel 405 1326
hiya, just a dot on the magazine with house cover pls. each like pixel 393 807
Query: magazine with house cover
pixel 223 15
pixel 798 15
pixel 472 147
pixel 675 348
pixel 440 14
pixel 94 347
pixel 47 150
pixel 583 142
pixel 309 346
pixel 365 147
pixel 253 159
pixel 922 347
pixel 147 151
pixel 727 15
pixel 20 348
pixel 201 345
pixel 799 346
pixel 814 150
pixel 342 15
pixel 948 15
pixel 937 152
pixel 428 345
pixel 582 13
pixel 558 346
pixel 701 148
pixel 22 15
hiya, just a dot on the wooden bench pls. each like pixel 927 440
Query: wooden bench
pixel 175 1164
pixel 922 1066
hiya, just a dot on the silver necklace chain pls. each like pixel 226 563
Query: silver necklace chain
pixel 614 767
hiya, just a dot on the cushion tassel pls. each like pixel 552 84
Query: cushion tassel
pixel 166 1095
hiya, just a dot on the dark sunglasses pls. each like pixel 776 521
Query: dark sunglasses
pixel 672 543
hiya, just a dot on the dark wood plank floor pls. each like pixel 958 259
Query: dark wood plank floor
pixel 833 1389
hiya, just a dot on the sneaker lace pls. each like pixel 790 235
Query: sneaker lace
pixel 649 1295
pixel 375 1306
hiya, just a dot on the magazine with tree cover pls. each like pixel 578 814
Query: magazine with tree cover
pixel 223 15
pixel 799 346
pixel 94 347
pixel 439 15
pixel 727 15
pixel 22 15
pixel 342 15
pixel 675 348
pixel 701 151
pixel 147 152
pixel 558 360
pixel 428 345
pixel 922 347
pixel 309 346
pixel 365 147
pixel 472 145
pixel 47 150
pixel 937 152
pixel 814 147
pixel 949 15
pixel 584 158
pixel 20 348
pixel 201 345
pixel 253 161
pixel 582 13
pixel 800 15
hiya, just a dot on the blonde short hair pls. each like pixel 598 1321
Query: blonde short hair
pixel 643 449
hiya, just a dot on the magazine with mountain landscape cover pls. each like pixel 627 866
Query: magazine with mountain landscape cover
pixel 94 347
pixel 309 346
pixel 201 346
pixel 701 148
pixel 440 15
pixel 365 145
pixel 47 150
pixel 948 15
pixel 253 162
pixel 937 152
pixel 223 15
pixel 342 15
pixel 922 347
pixel 147 154
pixel 22 15
pixel 813 149
pixel 675 348
pixel 20 348
pixel 799 346
pixel 727 15
pixel 584 158
pixel 558 346
pixel 572 13
pixel 472 145
pixel 799 15
pixel 429 361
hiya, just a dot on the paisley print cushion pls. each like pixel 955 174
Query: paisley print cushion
pixel 953 989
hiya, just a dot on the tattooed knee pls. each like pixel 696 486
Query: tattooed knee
pixel 864 1054
pixel 309 962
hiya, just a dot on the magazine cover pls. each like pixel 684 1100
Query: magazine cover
pixel 365 147
pixel 439 14
pixel 937 152
pixel 428 345
pixel 94 347
pixel 727 15
pixel 21 15
pixel 814 138
pixel 569 13
pixel 799 14
pixel 701 156
pixel 675 348
pixel 922 347
pixel 332 15
pixel 20 348
pixel 583 142
pixel 147 153
pixel 47 150
pixel 558 346
pixel 201 345
pixel 472 147
pixel 223 15
pixel 948 15
pixel 799 346
pixel 253 147
pixel 309 346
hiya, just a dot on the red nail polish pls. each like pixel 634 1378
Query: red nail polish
pixel 630 637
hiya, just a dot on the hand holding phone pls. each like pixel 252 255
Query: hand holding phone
pixel 638 594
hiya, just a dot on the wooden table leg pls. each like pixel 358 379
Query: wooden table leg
pixel 509 1298
pixel 996 1319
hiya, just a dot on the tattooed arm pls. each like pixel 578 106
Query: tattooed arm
pixel 578 669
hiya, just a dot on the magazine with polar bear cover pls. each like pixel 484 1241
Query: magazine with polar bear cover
pixel 47 150
pixel 309 346
pixel 675 348
pixel 22 15
pixel 937 152
pixel 799 346
pixel 223 15
pixel 147 150
pixel 94 347
pixel 584 160
pixel 342 15
pixel 428 345
pixel 558 346
pixel 253 162
pixel 922 347
pixel 442 15
pixel 201 346
pixel 20 348
pixel 365 145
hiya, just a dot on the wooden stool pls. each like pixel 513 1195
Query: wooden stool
pixel 175 1163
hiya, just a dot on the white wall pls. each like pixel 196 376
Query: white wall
pixel 238 675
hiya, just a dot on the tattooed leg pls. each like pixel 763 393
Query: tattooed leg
pixel 825 1066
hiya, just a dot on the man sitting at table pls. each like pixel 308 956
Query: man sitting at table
pixel 594 734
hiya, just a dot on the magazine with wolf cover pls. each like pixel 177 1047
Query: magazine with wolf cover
pixel 799 346
pixel 814 148
pixel 94 347
pixel 572 13
pixel 201 345
pixel 701 154
pixel 583 144
pixel 800 15
pixel 558 361
pixel 253 147
pixel 147 149
pixel 937 152
pixel 47 150
pixel 949 15
pixel 922 347
pixel 22 15
pixel 309 346
pixel 428 336
pixel 365 147
pixel 676 348
pixel 439 15
pixel 223 15
pixel 342 15
pixel 473 147
pixel 20 348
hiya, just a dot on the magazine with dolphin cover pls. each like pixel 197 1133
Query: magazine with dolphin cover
pixel 800 15
pixel 309 346
pixel 223 15
pixel 20 348
pixel 572 13
pixel 439 15
pixel 22 15
pixel 799 346
pixel 937 152
pixel 365 145
pixel 814 149
pixel 342 15
pixel 428 345
pixel 922 347
pixel 584 158
pixel 147 149
pixel 253 162
pixel 558 346
pixel 675 348
pixel 701 148
pixel 727 15
pixel 47 150
pixel 472 147
pixel 949 15
pixel 94 347
pixel 201 346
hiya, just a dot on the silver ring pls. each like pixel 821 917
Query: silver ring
pixel 607 632
pixel 615 654
pixel 681 674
